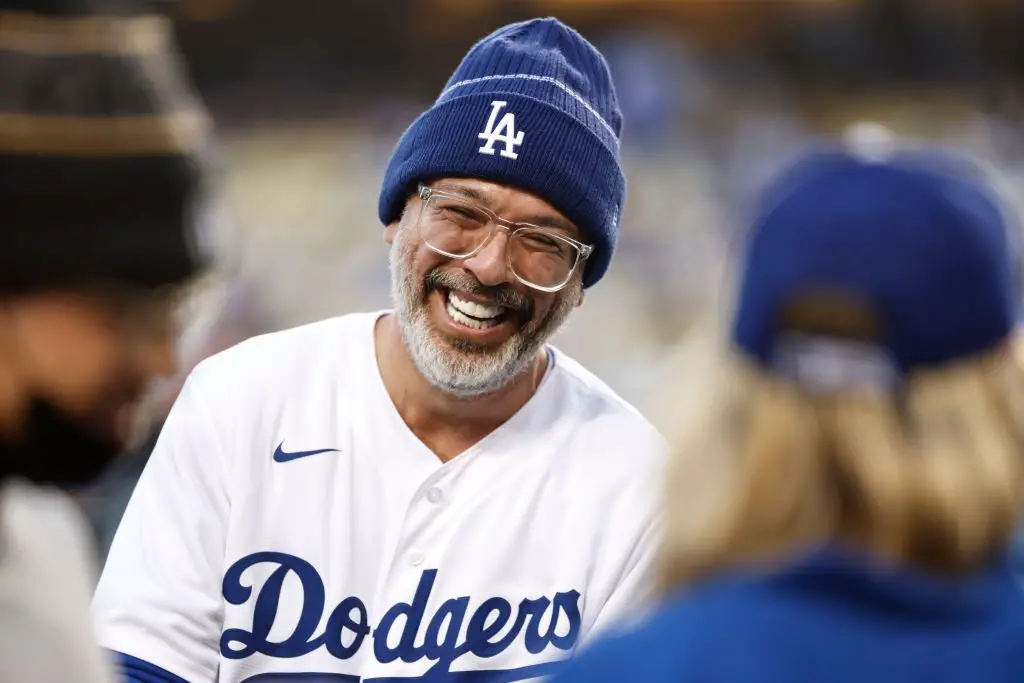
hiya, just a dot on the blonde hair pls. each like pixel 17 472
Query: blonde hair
pixel 763 470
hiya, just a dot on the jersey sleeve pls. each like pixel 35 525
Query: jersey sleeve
pixel 631 595
pixel 625 563
pixel 158 599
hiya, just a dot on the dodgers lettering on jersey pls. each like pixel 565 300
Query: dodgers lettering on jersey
pixel 457 628
pixel 290 526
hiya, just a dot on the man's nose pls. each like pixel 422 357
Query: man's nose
pixel 490 264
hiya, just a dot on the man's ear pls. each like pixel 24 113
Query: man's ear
pixel 394 226
pixel 579 299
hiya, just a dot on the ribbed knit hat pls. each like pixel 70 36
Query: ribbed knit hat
pixel 919 240
pixel 101 143
pixel 533 106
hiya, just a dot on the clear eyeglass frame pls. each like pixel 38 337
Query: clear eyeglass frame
pixel 496 222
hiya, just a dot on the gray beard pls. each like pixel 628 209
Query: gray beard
pixel 459 367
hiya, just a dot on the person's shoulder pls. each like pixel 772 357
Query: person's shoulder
pixel 47 574
pixel 606 425
pixel 295 344
pixel 47 565
pixel 297 354
pixel 41 513
pixel 659 649
pixel 678 642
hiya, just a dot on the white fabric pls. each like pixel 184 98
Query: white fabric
pixel 46 578
pixel 229 564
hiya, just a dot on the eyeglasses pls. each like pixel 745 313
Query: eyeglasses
pixel 457 228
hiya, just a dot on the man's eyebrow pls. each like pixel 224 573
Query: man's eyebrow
pixel 467 192
pixel 551 221
pixel 540 220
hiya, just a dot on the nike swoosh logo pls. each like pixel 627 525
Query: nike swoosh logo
pixel 281 455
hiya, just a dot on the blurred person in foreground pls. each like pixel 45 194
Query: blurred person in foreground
pixel 98 178
pixel 847 474
pixel 432 491
pixel 238 315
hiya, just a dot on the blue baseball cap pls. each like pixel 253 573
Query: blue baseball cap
pixel 919 239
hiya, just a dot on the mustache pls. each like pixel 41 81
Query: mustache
pixel 504 295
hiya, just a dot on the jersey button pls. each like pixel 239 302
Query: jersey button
pixel 435 495
pixel 416 558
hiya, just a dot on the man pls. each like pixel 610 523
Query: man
pixel 431 493
pixel 98 176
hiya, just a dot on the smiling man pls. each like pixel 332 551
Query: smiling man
pixel 429 493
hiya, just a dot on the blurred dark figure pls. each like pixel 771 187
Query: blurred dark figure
pixel 243 314
pixel 100 184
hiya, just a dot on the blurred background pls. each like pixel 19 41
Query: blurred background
pixel 310 96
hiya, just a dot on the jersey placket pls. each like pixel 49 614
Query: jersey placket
pixel 413 569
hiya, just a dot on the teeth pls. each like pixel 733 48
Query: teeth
pixel 463 319
pixel 471 308
pixel 461 310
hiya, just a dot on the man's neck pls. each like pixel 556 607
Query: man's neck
pixel 447 424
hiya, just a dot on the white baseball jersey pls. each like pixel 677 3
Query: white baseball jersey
pixel 290 527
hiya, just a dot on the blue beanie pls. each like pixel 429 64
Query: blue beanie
pixel 920 238
pixel 533 106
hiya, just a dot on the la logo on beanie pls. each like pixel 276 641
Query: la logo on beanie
pixel 504 132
